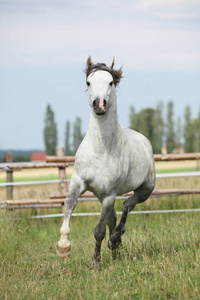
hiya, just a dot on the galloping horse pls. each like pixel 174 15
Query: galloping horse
pixel 110 161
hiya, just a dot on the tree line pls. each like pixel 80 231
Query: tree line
pixel 73 134
pixel 160 127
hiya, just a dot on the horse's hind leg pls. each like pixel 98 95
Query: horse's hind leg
pixel 107 210
pixel 112 220
pixel 140 195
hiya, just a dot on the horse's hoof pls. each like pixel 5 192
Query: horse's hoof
pixel 113 246
pixel 63 252
pixel 95 265
pixel 110 245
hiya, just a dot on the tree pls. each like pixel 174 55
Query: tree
pixel 158 128
pixel 170 134
pixel 150 123
pixel 67 139
pixel 142 122
pixel 133 118
pixel 188 131
pixel 146 122
pixel 77 134
pixel 196 132
pixel 50 132
pixel 178 134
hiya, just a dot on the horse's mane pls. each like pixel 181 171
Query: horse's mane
pixel 116 74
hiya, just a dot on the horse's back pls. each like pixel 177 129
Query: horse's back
pixel 138 141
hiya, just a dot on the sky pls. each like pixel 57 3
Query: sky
pixel 44 45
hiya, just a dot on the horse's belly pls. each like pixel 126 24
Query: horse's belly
pixel 104 181
pixel 130 185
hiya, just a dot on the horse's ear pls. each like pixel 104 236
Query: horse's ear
pixel 89 62
pixel 111 64
pixel 120 71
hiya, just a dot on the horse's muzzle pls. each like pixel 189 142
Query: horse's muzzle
pixel 100 106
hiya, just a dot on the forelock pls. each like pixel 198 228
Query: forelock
pixel 116 74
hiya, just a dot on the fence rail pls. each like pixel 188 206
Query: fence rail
pixel 157 157
pixel 65 161
pixel 161 175
pixel 15 166
pixel 138 212
pixel 61 162
pixel 33 182
pixel 91 197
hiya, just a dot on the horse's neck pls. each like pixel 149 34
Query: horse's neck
pixel 103 130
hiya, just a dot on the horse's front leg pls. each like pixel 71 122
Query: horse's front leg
pixel 100 230
pixel 64 245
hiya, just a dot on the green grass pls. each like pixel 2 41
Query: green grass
pixel 38 178
pixel 174 170
pixel 159 258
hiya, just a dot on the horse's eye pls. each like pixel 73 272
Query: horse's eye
pixel 88 83
pixel 111 83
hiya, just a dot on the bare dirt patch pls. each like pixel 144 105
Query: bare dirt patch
pixel 36 172
pixel 175 164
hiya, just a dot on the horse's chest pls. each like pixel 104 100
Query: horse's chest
pixel 102 175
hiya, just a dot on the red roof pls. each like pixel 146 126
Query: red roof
pixel 38 156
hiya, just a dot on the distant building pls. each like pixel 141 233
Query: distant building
pixel 176 150
pixel 164 150
pixel 9 156
pixel 38 156
pixel 179 150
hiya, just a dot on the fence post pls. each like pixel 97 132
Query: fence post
pixel 62 175
pixel 9 188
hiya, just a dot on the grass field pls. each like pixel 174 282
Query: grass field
pixel 159 257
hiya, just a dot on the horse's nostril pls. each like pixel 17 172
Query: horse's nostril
pixel 99 105
pixel 96 103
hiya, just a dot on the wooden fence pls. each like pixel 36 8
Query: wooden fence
pixel 62 162
pixel 9 168
pixel 157 157
pixel 58 201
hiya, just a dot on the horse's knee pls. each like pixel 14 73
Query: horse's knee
pixel 112 220
pixel 70 202
pixel 129 204
pixel 99 233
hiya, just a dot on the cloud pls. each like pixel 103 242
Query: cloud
pixel 138 34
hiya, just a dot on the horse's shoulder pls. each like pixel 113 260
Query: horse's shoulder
pixel 132 133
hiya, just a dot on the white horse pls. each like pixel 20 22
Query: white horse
pixel 110 161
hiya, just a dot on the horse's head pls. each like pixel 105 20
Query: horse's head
pixel 101 80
